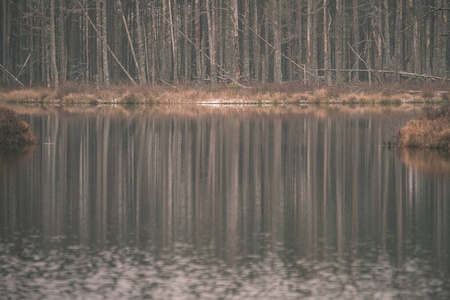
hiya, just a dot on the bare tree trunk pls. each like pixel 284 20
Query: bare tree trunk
pixel 104 45
pixel 326 42
pixel 87 60
pixel 174 39
pixel 256 43
pixel 276 31
pixel 356 38
pixel 377 35
pixel 387 60
pixel 98 16
pixel 6 28
pixel 428 69
pixel 398 39
pixel 440 40
pixel 311 55
pixel 142 75
pixel 187 46
pixel 212 38
pixel 54 67
pixel 265 58
pixel 62 42
pixel 246 41
pixel 416 50
pixel 339 41
pixel 198 41
pixel 235 38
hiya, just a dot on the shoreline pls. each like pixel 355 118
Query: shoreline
pixel 292 92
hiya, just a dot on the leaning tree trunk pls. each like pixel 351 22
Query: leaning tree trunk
pixel 142 75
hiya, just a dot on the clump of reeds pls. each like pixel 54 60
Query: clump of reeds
pixel 14 132
pixel 431 131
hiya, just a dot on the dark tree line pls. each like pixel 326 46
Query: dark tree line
pixel 154 41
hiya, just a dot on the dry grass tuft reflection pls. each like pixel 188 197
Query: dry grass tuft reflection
pixel 432 162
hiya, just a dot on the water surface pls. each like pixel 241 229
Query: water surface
pixel 233 203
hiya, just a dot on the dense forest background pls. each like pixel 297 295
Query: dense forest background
pixel 160 41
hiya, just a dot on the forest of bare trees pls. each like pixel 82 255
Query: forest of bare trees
pixel 49 42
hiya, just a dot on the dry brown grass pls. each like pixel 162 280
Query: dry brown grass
pixel 15 133
pixel 432 131
pixel 28 95
pixel 287 92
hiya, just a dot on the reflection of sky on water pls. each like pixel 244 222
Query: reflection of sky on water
pixel 270 205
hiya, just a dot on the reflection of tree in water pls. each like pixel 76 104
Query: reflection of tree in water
pixel 233 186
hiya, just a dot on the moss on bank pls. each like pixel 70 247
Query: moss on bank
pixel 15 134
pixel 431 131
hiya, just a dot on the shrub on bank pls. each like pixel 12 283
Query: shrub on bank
pixel 432 131
pixel 14 132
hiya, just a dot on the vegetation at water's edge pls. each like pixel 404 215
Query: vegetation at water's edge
pixel 431 131
pixel 287 92
pixel 15 133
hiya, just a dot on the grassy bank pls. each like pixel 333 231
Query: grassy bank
pixel 431 131
pixel 288 92
pixel 15 134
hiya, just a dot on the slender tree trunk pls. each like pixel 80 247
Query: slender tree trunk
pixel 265 58
pixel 428 52
pixel 198 49
pixel 311 55
pixel 276 31
pixel 187 45
pixel 142 75
pixel 440 40
pixel 87 59
pixel 246 41
pixel 377 35
pixel 398 39
pixel 416 50
pixel 62 41
pixel 256 55
pixel 235 38
pixel 174 38
pixel 98 17
pixel 339 41
pixel 356 39
pixel 387 60
pixel 104 45
pixel 212 38
pixel 6 28
pixel 326 43
pixel 54 67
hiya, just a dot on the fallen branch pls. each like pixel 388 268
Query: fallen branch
pixel 11 75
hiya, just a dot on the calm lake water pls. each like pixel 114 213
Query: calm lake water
pixel 186 203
